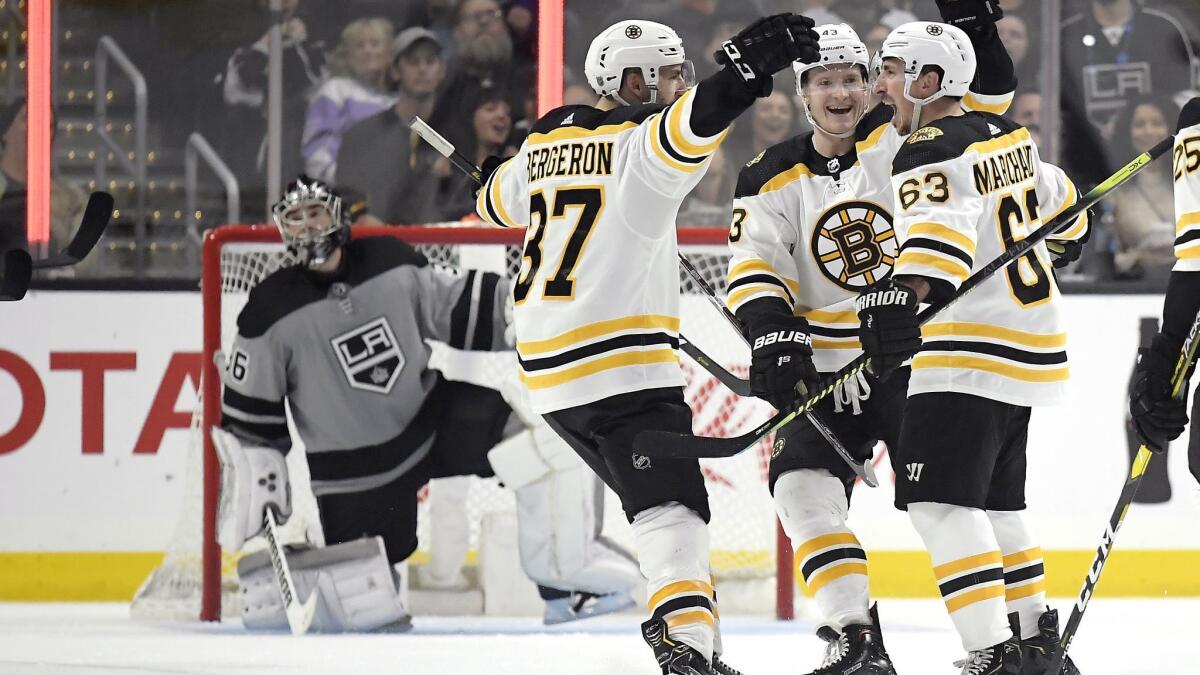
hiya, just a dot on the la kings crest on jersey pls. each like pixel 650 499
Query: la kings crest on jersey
pixel 370 356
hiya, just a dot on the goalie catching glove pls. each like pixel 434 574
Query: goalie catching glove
pixel 888 327
pixel 766 47
pixel 252 479
pixel 1158 418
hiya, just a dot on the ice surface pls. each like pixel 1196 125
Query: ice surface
pixel 77 639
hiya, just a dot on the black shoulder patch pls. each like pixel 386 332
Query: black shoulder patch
pixel 281 293
pixel 588 117
pixel 1190 115
pixel 771 162
pixel 291 288
pixel 949 137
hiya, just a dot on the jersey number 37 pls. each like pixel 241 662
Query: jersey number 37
pixel 588 202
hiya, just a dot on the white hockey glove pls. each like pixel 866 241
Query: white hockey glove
pixel 252 479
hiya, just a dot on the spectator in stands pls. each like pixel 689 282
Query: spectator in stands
pixel 1022 47
pixel 771 121
pixel 1026 110
pixel 579 94
pixel 693 20
pixel 484 52
pixel 244 87
pixel 819 12
pixel 1144 222
pixel 358 89
pixel 1113 51
pixel 874 37
pixel 488 134
pixel 380 156
pixel 521 18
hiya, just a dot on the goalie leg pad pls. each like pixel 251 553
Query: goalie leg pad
pixel 558 535
pixel 812 507
pixel 252 478
pixel 357 588
pixel 531 455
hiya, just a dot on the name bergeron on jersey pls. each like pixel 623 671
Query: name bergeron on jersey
pixel 591 158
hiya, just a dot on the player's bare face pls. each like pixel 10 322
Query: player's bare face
pixel 671 83
pixel 889 85
pixel 836 97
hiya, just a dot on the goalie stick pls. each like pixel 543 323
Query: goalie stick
pixel 735 384
pixel 667 444
pixel 299 617
pixel 18 267
pixel 1137 471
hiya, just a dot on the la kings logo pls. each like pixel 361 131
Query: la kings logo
pixel 370 356
pixel 854 244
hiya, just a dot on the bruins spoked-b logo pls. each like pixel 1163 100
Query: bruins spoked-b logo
pixel 633 32
pixel 854 244
pixel 369 356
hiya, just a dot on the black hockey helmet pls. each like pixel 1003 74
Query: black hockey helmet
pixel 310 219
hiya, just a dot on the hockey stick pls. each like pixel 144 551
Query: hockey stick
pixel 673 445
pixel 299 617
pixel 863 470
pixel 18 268
pixel 95 219
pixel 1179 381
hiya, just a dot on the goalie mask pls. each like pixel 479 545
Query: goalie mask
pixel 309 217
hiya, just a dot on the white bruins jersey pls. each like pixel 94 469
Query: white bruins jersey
pixel 1186 172
pixel 596 303
pixel 965 189
pixel 816 231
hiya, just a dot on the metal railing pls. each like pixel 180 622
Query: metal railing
pixel 106 49
pixel 198 148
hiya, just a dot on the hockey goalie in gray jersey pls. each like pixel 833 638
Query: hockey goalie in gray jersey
pixel 340 336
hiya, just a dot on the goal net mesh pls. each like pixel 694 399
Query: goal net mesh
pixel 743 530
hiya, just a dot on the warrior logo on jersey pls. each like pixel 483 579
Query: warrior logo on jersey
pixel 369 356
pixel 854 244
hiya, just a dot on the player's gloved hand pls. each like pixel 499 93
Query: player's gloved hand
pixel 888 326
pixel 1158 418
pixel 971 15
pixel 766 47
pixel 486 170
pixel 1064 252
pixel 781 365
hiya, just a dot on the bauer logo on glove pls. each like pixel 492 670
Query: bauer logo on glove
pixel 796 336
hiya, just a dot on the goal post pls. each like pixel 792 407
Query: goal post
pixel 747 542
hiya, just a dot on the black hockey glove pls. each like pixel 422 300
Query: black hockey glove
pixel 888 326
pixel 971 15
pixel 1062 252
pixel 766 47
pixel 781 365
pixel 1158 418
pixel 485 172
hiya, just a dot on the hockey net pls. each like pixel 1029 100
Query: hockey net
pixel 197 579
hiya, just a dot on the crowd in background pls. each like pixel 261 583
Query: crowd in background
pixel 355 71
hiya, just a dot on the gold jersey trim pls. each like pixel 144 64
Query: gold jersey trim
pixel 928 361
pixel 597 329
pixel 983 330
pixel 635 358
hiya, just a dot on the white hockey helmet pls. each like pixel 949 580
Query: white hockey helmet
pixel 926 43
pixel 645 45
pixel 838 44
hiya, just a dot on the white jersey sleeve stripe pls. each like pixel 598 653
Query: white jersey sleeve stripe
pixel 996 104
pixel 656 143
pixel 928 263
pixel 681 137
pixel 944 235
pixel 750 292
pixel 756 266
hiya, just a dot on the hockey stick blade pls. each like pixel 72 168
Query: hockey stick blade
pixel 299 617
pixel 96 215
pixel 1137 471
pixel 734 383
pixel 18 269
pixel 445 148
pixel 668 444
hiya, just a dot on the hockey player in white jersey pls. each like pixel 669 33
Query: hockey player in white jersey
pixel 1158 418
pixel 967 185
pixel 597 302
pixel 340 336
pixel 811 228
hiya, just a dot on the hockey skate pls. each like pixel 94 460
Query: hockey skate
pixel 857 649
pixel 581 605
pixel 677 658
pixel 1037 652
pixel 999 659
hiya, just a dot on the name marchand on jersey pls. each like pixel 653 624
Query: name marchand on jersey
pixel 964 196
